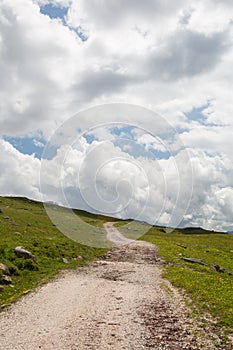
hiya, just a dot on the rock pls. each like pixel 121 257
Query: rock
pixel 6 279
pixel 1 289
pixel 65 261
pixel 1 210
pixel 6 217
pixel 78 258
pixel 194 260
pixel 219 269
pixel 4 268
pixel 23 253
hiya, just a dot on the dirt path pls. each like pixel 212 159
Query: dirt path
pixel 113 235
pixel 118 303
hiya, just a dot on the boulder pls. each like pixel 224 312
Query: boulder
pixel 6 279
pixel 23 253
pixel 4 268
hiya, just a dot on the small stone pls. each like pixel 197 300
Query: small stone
pixel 65 261
pixel 6 217
pixel 1 210
pixel 23 253
pixel 219 269
pixel 1 289
pixel 6 279
pixel 78 258
pixel 4 268
pixel 194 260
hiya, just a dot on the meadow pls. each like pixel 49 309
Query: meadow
pixel 209 290
pixel 24 222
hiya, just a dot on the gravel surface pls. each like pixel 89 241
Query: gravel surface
pixel 121 302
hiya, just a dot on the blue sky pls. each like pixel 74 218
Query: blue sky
pixel 55 11
pixel 122 136
pixel 27 145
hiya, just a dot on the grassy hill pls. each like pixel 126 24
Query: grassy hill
pixel 24 222
pixel 210 289
pixel 208 282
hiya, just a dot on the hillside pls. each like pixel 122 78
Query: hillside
pixel 24 222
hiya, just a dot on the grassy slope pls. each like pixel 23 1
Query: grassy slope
pixel 29 226
pixel 209 290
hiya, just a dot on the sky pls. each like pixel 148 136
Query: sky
pixel 120 107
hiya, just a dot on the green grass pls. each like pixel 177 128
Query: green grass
pixel 29 226
pixel 209 290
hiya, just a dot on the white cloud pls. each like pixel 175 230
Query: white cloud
pixel 104 178
pixel 19 173
pixel 168 56
pixel 37 64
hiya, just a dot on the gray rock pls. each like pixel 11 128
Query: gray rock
pixel 23 253
pixel 194 260
pixel 6 279
pixel 78 258
pixel 4 268
pixel 65 261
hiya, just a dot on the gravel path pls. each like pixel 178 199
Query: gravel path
pixel 118 303
pixel 113 235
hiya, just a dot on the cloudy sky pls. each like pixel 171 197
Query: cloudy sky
pixel 167 161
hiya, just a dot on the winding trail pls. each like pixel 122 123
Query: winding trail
pixel 121 302
pixel 114 236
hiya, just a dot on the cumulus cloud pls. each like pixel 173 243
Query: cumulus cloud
pixel 108 14
pixel 19 173
pixel 172 57
pixel 37 65
pixel 105 178
pixel 187 53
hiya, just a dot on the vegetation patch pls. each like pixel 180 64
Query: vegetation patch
pixel 24 223
pixel 210 288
